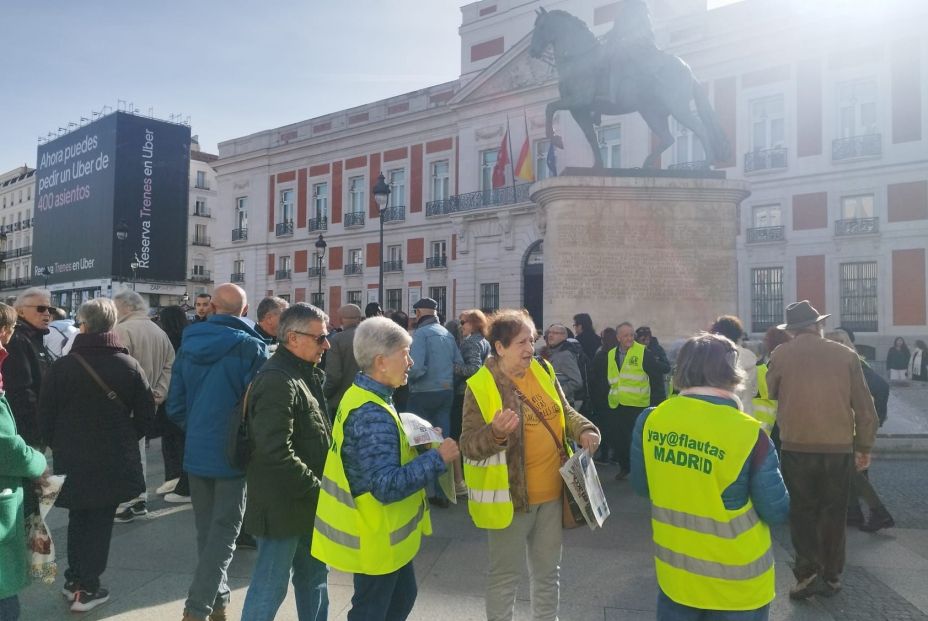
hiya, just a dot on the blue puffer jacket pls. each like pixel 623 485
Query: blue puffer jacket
pixel 371 452
pixel 217 360
pixel 434 354
pixel 760 478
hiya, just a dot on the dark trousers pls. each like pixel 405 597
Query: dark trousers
pixel 819 485
pixel 618 425
pixel 89 533
pixel 862 489
pixel 457 415
pixel 172 450
pixel 389 597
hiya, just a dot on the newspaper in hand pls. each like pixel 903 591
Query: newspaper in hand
pixel 582 482
pixel 418 430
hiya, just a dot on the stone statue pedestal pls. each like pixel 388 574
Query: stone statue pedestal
pixel 654 248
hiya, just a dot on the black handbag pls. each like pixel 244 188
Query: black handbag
pixel 238 446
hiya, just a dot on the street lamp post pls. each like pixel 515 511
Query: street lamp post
pixel 135 266
pixel 381 196
pixel 122 234
pixel 185 298
pixel 320 253
pixel 46 273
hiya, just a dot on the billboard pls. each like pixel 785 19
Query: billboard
pixel 120 168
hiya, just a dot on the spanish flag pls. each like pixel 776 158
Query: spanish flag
pixel 524 169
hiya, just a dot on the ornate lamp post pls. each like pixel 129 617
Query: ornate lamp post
pixel 46 273
pixel 122 234
pixel 320 253
pixel 381 196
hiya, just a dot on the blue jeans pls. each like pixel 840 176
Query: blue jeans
pixel 435 407
pixel 9 608
pixel 669 610
pixel 389 597
pixel 280 560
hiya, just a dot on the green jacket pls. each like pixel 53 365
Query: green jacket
pixel 290 437
pixel 18 461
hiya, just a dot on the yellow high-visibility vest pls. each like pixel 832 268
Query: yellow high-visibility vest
pixel 362 535
pixel 706 556
pixel 765 408
pixel 488 498
pixel 630 384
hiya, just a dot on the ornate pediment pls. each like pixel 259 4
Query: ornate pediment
pixel 513 71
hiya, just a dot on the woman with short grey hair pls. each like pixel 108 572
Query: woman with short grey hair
pixel 94 407
pixel 714 482
pixel 374 475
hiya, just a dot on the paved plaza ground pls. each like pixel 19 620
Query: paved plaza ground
pixel 606 576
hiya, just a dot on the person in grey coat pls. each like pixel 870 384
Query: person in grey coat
pixel 564 360
pixel 340 364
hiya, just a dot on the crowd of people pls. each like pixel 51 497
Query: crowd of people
pixel 285 435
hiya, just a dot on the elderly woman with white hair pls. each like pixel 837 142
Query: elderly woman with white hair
pixel 372 511
pixel 94 407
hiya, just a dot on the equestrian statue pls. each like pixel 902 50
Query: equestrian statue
pixel 624 72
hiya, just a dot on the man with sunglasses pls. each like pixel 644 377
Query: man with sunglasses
pixel 28 361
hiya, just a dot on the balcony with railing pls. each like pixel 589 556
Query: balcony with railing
pixel 201 185
pixel 284 229
pixel 27 223
pixel 853 147
pixel 201 211
pixel 239 234
pixel 857 226
pixel 509 195
pixel 354 269
pixel 200 240
pixel 201 276
pixel 18 252
pixel 766 159
pixel 393 266
pixel 396 213
pixel 316 271
pixel 237 277
pixel 282 275
pixel 762 234
pixel 318 224
pixel 15 282
pixel 436 263
pixel 354 219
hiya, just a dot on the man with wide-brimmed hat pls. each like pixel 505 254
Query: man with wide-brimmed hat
pixel 827 427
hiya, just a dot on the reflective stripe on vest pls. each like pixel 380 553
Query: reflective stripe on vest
pixel 629 385
pixel 706 556
pixel 765 408
pixel 362 535
pixel 488 497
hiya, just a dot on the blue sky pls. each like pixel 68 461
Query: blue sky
pixel 234 67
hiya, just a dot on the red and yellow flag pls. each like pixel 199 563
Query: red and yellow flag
pixel 524 170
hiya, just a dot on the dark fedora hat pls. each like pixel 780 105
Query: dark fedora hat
pixel 801 315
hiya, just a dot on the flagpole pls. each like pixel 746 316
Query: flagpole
pixel 531 154
pixel 512 164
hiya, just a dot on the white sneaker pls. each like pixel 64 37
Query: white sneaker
pixel 172 497
pixel 167 487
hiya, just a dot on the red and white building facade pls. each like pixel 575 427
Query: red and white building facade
pixel 825 109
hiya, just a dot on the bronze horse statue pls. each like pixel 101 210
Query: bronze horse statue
pixel 624 73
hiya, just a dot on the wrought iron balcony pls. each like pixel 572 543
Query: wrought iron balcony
pixel 282 275
pixel 868 145
pixel 203 276
pixel 201 185
pixel 766 234
pixel 393 266
pixel 698 165
pixel 27 223
pixel 436 263
pixel 318 224
pixel 19 252
pixel 857 226
pixel 200 240
pixel 284 229
pixel 239 234
pixel 17 226
pixel 396 213
pixel 238 277
pixel 316 271
pixel 765 159
pixel 202 211
pixel 354 219
pixel 508 195
pixel 354 269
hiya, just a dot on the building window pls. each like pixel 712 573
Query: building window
pixel 200 207
pixel 541 159
pixel 199 269
pixel 356 194
pixel 766 298
pixel 686 146
pixel 857 207
pixel 201 180
pixel 440 295
pixel 489 296
pixel 768 123
pixel 441 180
pixel 283 263
pixel 857 109
pixel 394 299
pixel 610 146
pixel 395 253
pixel 859 309
pixel 354 297
pixel 321 200
pixel 317 299
pixel 200 238
pixel 354 256
pixel 487 163
pixel 439 248
pixel 238 266
pixel 397 188
pixel 763 216
pixel 241 212
pixel 286 207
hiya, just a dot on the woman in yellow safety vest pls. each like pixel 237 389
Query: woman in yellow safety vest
pixel 714 482
pixel 516 426
pixel 765 408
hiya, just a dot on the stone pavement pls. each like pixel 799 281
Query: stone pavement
pixel 606 576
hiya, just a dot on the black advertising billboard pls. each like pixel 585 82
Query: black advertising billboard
pixel 121 168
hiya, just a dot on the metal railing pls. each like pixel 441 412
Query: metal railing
pixel 434 263
pixel 393 266
pixel 766 234
pixel 354 219
pixel 315 271
pixel 857 226
pixel 354 269
pixel 509 195
pixel 239 234
pixel 318 224
pixel 237 277
pixel 284 229
pixel 199 240
pixel 15 282
pixel 203 212
pixel 282 275
pixel 201 185
pixel 868 145
pixel 18 252
pixel 396 213
pixel 203 276
pixel 765 159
